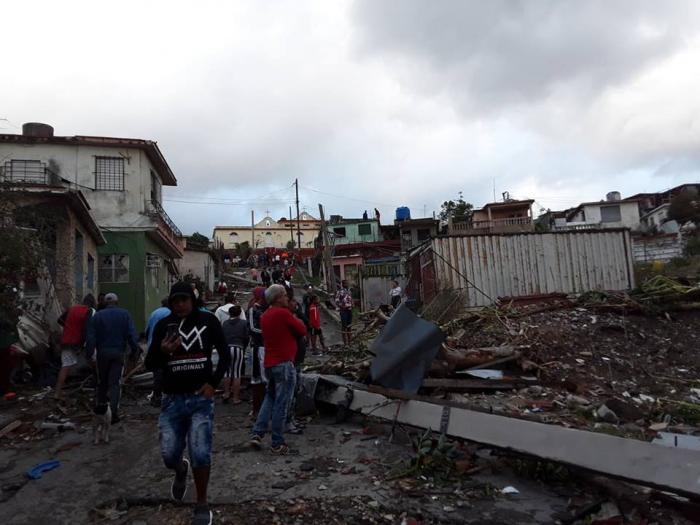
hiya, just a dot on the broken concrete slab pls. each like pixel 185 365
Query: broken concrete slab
pixel 670 469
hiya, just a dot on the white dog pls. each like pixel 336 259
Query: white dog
pixel 101 422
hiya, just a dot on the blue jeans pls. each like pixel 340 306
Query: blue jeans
pixel 186 419
pixel 280 387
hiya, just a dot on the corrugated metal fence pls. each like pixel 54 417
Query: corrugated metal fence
pixel 517 265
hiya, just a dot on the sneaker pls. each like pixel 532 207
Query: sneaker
pixel 255 441
pixel 202 516
pixel 179 486
pixel 293 429
pixel 280 450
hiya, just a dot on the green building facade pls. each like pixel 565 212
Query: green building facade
pixel 134 267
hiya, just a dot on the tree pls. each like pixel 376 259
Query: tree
pixel 28 251
pixel 685 207
pixel 458 211
pixel 243 250
pixel 291 245
pixel 199 240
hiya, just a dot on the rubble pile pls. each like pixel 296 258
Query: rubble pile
pixel 593 368
pixel 624 364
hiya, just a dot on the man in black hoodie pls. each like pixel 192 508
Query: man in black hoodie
pixel 181 348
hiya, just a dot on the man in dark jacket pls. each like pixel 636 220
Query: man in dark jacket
pixel 182 346
pixel 110 331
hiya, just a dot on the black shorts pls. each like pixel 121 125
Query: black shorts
pixel 345 318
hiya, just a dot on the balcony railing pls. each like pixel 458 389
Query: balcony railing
pixel 576 227
pixel 157 209
pixel 28 172
pixel 510 224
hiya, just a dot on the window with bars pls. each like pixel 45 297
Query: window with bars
pixel 610 213
pixel 114 268
pixel 109 173
pixel 364 229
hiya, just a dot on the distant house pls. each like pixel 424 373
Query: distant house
pixel 610 213
pixel 269 233
pixel 351 231
pixel 122 181
pixel 416 231
pixel 656 221
pixel 509 216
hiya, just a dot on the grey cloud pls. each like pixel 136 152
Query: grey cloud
pixel 488 55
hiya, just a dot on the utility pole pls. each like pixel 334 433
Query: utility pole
pixel 252 230
pixel 327 262
pixel 291 225
pixel 296 183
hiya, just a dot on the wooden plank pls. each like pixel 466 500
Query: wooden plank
pixel 11 427
pixel 468 384
pixel 666 468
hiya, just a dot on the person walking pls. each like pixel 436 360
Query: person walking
pixel 75 322
pixel 280 331
pixel 237 337
pixel 265 277
pixel 256 308
pixel 344 302
pixel 223 313
pixel 181 348
pixel 395 294
pixel 315 330
pixel 110 331
pixel 159 313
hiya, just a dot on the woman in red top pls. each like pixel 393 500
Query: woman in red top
pixel 315 323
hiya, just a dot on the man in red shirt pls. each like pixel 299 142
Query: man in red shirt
pixel 74 321
pixel 280 329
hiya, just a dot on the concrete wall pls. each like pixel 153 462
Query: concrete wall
pixel 77 165
pixel 200 264
pixel 486 267
pixel 661 248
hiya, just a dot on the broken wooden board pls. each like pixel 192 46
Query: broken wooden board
pixel 468 384
pixel 10 428
pixel 672 469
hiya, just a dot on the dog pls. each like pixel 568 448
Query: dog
pixel 101 422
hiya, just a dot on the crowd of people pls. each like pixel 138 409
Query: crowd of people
pixel 191 351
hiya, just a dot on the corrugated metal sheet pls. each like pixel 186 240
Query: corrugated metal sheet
pixel 516 265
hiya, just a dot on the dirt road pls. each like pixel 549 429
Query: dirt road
pixel 338 476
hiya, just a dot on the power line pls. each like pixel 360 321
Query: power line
pixel 227 203
pixel 355 199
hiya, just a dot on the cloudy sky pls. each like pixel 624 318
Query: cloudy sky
pixel 369 103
